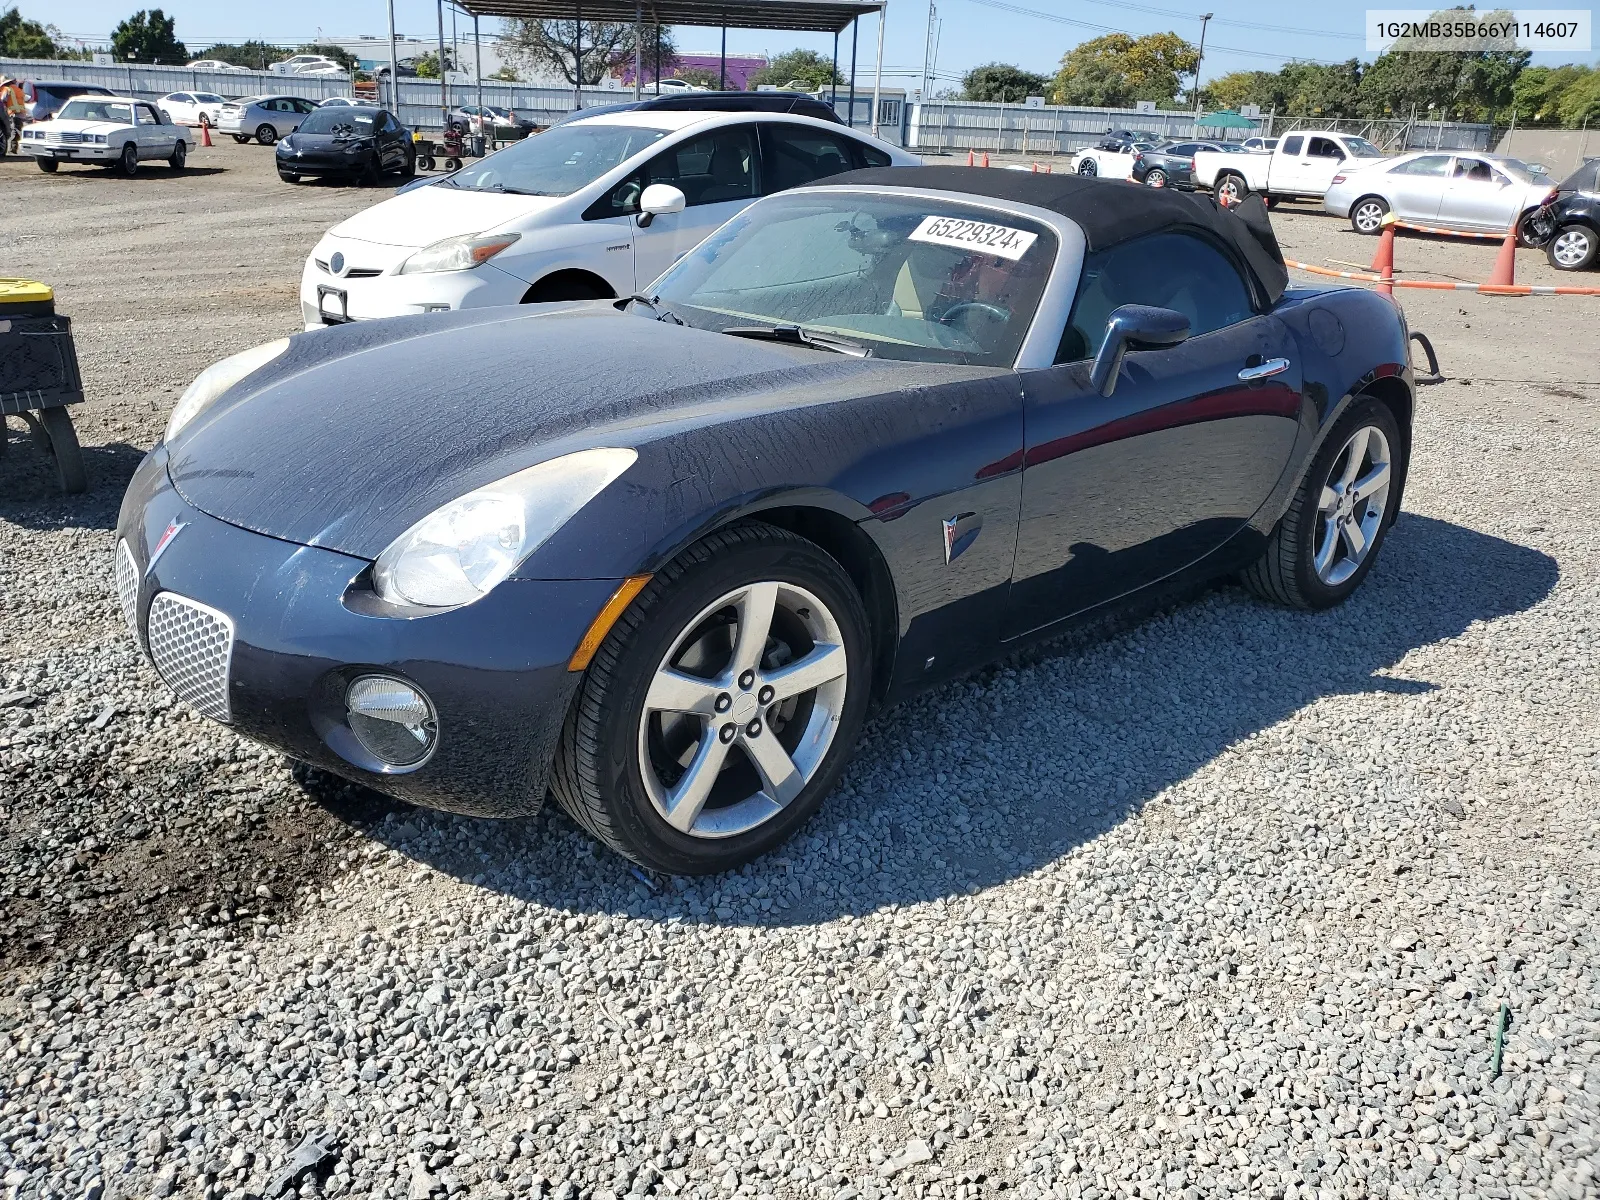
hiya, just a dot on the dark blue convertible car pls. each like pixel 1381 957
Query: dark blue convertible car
pixel 660 557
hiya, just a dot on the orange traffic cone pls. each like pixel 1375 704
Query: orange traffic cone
pixel 1383 260
pixel 1505 263
pixel 205 133
pixel 972 159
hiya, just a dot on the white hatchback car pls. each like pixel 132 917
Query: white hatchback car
pixel 591 209
pixel 192 108
pixel 120 131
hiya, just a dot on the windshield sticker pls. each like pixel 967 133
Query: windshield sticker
pixel 999 240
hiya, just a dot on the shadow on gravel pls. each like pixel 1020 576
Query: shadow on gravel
pixel 984 780
pixel 31 498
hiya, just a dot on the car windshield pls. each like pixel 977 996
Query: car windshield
pixel 557 162
pixel 1517 169
pixel 1359 147
pixel 96 110
pixel 903 278
pixel 208 98
pixel 342 121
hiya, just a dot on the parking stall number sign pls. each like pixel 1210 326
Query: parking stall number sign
pixel 999 240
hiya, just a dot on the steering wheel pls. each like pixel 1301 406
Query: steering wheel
pixel 995 313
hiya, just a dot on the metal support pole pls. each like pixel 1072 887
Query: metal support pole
pixel 722 81
pixel 854 31
pixel 638 48
pixel 477 46
pixel 577 59
pixel 658 58
pixel 833 80
pixel 877 79
pixel 394 69
pixel 444 91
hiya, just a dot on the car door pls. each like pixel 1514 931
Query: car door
pixel 1124 490
pixel 1287 172
pixel 1415 188
pixel 1319 164
pixel 155 138
pixel 1479 196
pixel 717 172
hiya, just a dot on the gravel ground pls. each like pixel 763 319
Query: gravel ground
pixel 1227 903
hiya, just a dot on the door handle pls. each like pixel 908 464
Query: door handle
pixel 1272 366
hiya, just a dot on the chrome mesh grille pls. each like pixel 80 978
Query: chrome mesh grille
pixel 128 588
pixel 192 647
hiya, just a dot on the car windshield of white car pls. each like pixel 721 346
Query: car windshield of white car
pixel 1361 148
pixel 557 162
pixel 340 122
pixel 96 110
pixel 905 278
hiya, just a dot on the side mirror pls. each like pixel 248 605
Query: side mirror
pixel 1134 327
pixel 658 200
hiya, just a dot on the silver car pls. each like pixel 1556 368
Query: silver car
pixel 1448 189
pixel 264 118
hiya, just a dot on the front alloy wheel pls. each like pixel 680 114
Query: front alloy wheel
pixel 721 707
pixel 1088 167
pixel 1156 178
pixel 1573 248
pixel 1351 507
pixel 1367 216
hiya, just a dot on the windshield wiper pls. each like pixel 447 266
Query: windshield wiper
pixel 797 335
pixel 654 304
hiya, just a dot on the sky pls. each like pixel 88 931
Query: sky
pixel 1243 35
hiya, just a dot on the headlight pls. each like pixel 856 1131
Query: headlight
pixel 100 139
pixel 457 253
pixel 458 553
pixel 218 378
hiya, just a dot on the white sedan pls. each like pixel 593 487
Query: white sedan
pixel 1470 192
pixel 120 131
pixel 1109 164
pixel 591 209
pixel 192 108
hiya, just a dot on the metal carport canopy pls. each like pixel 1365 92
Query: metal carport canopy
pixel 817 16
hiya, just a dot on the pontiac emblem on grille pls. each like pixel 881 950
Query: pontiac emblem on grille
pixel 168 536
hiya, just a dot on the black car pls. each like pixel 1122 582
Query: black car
pixel 1121 139
pixel 797 103
pixel 1171 164
pixel 661 556
pixel 1573 220
pixel 349 142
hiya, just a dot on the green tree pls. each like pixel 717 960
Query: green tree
pixel 20 38
pixel 1580 101
pixel 811 69
pixel 1002 83
pixel 1322 90
pixel 1471 85
pixel 1537 95
pixel 428 64
pixel 257 56
pixel 506 74
pixel 1238 88
pixel 1117 69
pixel 148 37
pixel 606 46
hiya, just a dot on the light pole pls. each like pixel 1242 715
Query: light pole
pixel 1200 58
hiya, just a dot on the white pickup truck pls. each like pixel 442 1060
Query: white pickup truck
pixel 1303 164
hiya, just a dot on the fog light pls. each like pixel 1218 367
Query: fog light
pixel 393 720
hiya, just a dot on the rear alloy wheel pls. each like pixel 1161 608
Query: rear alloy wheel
pixel 1231 189
pixel 1328 540
pixel 266 134
pixel 1573 248
pixel 722 706
pixel 241 138
pixel 1156 177
pixel 128 163
pixel 1088 167
pixel 180 157
pixel 1367 214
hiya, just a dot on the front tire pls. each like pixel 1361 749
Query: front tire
pixel 266 134
pixel 722 706
pixel 47 165
pixel 1231 189
pixel 241 138
pixel 1156 178
pixel 1088 166
pixel 128 163
pixel 1572 248
pixel 1328 540
pixel 1367 214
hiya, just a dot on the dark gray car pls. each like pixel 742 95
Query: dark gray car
pixel 1172 163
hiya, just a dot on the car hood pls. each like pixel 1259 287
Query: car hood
pixel 358 431
pixel 59 126
pixel 430 214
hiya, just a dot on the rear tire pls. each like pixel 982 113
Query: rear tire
pixel 1572 248
pixel 1088 166
pixel 1291 572
pixel 47 165
pixel 409 171
pixel 1156 178
pixel 266 134
pixel 1231 188
pixel 241 138
pixel 627 759
pixel 1367 214
pixel 180 157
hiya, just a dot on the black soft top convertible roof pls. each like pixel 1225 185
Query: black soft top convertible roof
pixel 1108 211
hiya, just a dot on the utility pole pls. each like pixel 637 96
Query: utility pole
pixel 394 69
pixel 1200 58
pixel 877 80
pixel 444 90
pixel 927 51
